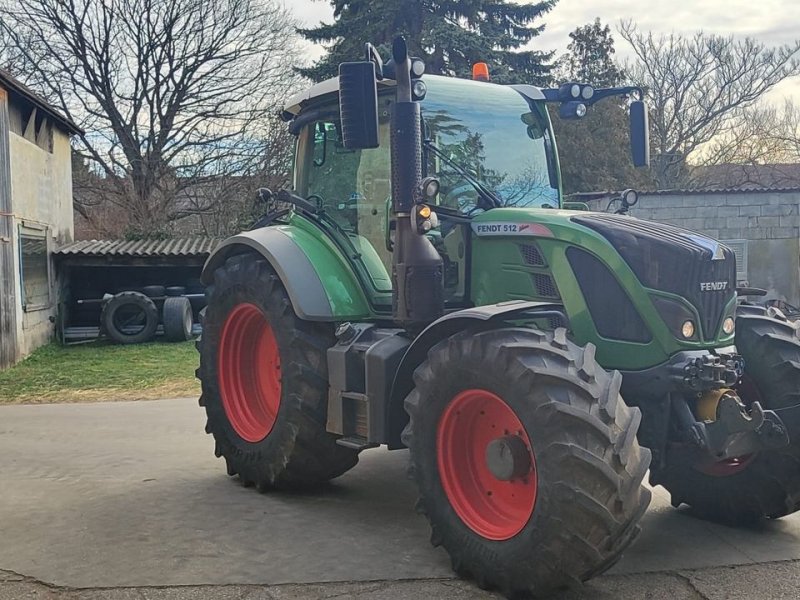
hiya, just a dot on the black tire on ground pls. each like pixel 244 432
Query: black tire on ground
pixel 129 318
pixel 175 290
pixel 297 451
pixel 590 466
pixel 177 318
pixel 769 485
pixel 153 291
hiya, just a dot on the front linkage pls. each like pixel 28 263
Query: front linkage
pixel 696 391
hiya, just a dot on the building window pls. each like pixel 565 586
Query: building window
pixel 34 269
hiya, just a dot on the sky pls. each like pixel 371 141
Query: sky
pixel 774 22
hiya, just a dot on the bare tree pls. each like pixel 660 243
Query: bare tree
pixel 697 87
pixel 761 148
pixel 171 93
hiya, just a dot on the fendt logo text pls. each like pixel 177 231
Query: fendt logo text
pixel 713 286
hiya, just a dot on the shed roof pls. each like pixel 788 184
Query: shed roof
pixel 15 86
pixel 190 246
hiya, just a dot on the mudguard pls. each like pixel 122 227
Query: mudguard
pixel 322 290
pixel 443 327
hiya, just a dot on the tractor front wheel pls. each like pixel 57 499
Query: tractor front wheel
pixel 526 459
pixel 264 381
pixel 761 485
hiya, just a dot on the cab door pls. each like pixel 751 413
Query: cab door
pixel 353 187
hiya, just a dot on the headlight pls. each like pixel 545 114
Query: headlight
pixel 728 325
pixel 687 329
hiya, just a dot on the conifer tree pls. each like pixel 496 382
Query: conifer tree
pixel 450 35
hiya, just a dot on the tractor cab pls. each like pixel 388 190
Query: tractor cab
pixel 487 145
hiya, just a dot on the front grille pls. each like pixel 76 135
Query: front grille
pixel 532 255
pixel 614 315
pixel 672 259
pixel 545 286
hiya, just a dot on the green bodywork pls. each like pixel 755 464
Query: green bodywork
pixel 344 278
pixel 499 272
pixel 353 267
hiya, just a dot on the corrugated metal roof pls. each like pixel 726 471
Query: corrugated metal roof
pixel 193 246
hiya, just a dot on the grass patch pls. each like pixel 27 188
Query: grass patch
pixel 102 371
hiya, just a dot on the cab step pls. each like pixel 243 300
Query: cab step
pixel 355 442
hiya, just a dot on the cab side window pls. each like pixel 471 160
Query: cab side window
pixel 332 175
pixel 353 187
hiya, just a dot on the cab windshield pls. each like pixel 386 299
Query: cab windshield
pixel 494 134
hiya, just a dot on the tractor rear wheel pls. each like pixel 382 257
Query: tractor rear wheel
pixel 526 459
pixel 766 484
pixel 264 381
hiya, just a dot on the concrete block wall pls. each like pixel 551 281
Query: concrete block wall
pixel 769 220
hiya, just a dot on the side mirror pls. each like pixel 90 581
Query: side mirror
pixel 358 105
pixel 640 134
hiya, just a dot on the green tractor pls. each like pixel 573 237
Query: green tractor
pixel 423 287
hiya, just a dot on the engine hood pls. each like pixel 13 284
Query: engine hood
pixel 670 259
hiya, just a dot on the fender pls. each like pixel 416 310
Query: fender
pixel 325 290
pixel 478 318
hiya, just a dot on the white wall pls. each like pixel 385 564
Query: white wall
pixel 41 198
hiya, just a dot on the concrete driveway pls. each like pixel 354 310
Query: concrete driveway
pixel 129 495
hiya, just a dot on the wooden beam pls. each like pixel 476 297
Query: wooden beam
pixel 9 350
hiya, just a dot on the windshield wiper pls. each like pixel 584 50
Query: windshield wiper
pixel 485 193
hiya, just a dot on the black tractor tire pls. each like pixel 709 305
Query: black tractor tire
pixel 582 435
pixel 177 319
pixel 153 291
pixel 769 485
pixel 297 451
pixel 129 309
pixel 175 290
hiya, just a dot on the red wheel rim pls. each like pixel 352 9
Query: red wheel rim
pixel 249 371
pixel 494 509
pixel 727 467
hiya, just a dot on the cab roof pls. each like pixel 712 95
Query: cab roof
pixel 330 87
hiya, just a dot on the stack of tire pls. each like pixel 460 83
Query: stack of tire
pixel 131 317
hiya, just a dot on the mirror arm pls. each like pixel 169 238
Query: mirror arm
pixel 554 94
pixel 375 58
pixel 603 93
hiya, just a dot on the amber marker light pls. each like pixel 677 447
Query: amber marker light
pixel 480 71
